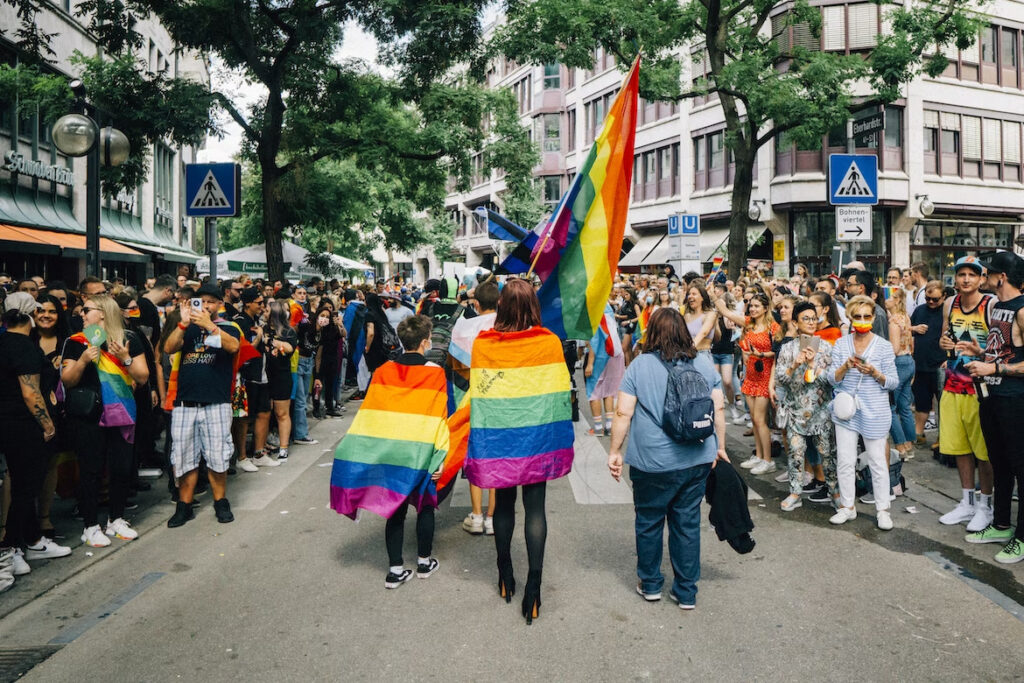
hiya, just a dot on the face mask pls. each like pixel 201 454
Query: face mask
pixel 861 327
pixel 821 320
pixel 650 300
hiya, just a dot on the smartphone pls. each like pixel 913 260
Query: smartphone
pixel 197 304
pixel 809 341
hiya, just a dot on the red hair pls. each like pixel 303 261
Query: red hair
pixel 518 307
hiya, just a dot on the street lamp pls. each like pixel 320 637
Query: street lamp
pixel 754 212
pixel 926 207
pixel 78 135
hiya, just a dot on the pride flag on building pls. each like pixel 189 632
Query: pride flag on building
pixel 397 440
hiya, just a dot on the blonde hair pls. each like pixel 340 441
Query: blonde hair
pixel 858 302
pixel 113 319
pixel 899 299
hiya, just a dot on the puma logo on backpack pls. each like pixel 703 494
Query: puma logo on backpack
pixel 689 413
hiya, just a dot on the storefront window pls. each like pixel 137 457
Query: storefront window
pixel 940 243
pixel 813 234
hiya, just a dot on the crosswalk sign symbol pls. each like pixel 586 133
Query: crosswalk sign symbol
pixel 210 195
pixel 853 179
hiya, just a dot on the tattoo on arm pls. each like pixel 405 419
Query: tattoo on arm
pixel 1012 370
pixel 33 398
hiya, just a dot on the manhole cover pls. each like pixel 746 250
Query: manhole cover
pixel 15 662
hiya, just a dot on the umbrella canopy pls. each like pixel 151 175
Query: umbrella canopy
pixel 252 260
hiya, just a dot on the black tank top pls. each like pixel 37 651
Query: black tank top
pixel 1000 347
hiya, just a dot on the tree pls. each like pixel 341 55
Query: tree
pixel 766 86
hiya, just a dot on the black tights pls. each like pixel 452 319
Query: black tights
pixel 394 534
pixel 536 522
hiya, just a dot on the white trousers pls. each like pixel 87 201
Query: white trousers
pixel 846 468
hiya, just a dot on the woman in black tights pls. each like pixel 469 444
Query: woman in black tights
pixel 519 371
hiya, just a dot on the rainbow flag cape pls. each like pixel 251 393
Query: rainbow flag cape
pixel 642 322
pixel 116 391
pixel 397 440
pixel 578 254
pixel 520 411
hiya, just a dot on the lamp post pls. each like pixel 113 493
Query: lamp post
pixel 78 135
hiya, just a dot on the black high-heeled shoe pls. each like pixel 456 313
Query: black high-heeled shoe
pixel 531 597
pixel 506 580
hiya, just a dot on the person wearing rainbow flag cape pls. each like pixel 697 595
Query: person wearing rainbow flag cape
pixel 373 470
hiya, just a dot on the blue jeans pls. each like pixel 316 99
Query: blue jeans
pixel 673 497
pixel 300 426
pixel 903 427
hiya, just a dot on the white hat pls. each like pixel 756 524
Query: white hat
pixel 23 303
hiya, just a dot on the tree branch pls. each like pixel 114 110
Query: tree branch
pixel 233 112
pixel 731 14
pixel 275 18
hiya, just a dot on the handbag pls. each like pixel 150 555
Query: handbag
pixel 845 405
pixel 79 401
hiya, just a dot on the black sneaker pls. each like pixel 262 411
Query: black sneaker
pixel 182 513
pixel 393 580
pixel 425 570
pixel 814 486
pixel 822 496
pixel 222 508
pixel 131 504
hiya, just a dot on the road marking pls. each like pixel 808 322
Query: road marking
pixel 1007 603
pixel 106 609
pixel 589 478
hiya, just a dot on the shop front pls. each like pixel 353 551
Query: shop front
pixel 812 236
pixel 939 242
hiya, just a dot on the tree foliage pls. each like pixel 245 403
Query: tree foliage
pixel 765 86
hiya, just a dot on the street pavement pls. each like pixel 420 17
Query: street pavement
pixel 291 591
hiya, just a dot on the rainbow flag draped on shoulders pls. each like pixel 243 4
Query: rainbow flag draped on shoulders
pixel 577 253
pixel 520 410
pixel 397 440
pixel 117 391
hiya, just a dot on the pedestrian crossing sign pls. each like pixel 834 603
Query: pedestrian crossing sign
pixel 853 179
pixel 213 190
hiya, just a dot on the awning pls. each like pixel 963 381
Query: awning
pixel 714 242
pixel 174 255
pixel 640 250
pixel 16 238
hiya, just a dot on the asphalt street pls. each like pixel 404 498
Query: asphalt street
pixel 291 591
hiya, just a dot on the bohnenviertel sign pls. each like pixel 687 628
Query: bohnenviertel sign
pixel 17 163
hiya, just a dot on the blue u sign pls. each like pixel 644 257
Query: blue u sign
pixel 690 223
pixel 673 224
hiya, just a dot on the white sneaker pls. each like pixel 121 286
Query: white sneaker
pixel 737 416
pixel 265 461
pixel 884 520
pixel 764 467
pixel 750 462
pixel 963 512
pixel 473 524
pixel 782 477
pixel 19 566
pixel 45 550
pixel 843 515
pixel 247 466
pixel 120 528
pixel 983 516
pixel 95 537
pixel 489 526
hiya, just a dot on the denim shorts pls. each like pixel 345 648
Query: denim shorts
pixel 723 358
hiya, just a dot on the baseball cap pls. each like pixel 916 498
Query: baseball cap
pixel 969 262
pixel 1004 262
pixel 251 294
pixel 23 303
pixel 210 289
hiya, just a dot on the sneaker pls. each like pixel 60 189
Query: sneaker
pixel 95 537
pixel 782 477
pixel 19 567
pixel 790 503
pixel 282 456
pixel 222 508
pixel 765 467
pixel 1011 553
pixel 682 605
pixel 182 513
pixel 45 550
pixel 247 465
pixel 489 526
pixel 265 461
pixel 982 517
pixel 120 529
pixel 393 580
pixel 823 495
pixel 843 515
pixel 750 462
pixel 814 486
pixel 131 504
pixel 884 520
pixel 990 534
pixel 649 597
pixel 930 423
pixel 423 571
pixel 474 524
pixel 308 441
pixel 963 512
pixel 868 498
pixel 738 418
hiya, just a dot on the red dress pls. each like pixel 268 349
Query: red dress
pixel 755 383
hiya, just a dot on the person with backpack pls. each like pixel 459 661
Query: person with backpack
pixel 671 406
pixel 382 342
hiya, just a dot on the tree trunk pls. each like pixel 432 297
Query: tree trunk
pixel 738 219
pixel 391 263
pixel 271 227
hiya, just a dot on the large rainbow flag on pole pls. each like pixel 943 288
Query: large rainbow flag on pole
pixel 397 440
pixel 577 254
pixel 520 410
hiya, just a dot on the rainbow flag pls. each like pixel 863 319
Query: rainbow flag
pixel 398 439
pixel 520 412
pixel 716 268
pixel 580 256
pixel 117 391
pixel 642 322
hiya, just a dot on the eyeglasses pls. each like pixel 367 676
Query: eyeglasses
pixel 86 309
pixel 933 299
pixel 866 316
pixel 807 319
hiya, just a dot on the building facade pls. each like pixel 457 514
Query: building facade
pixel 951 145
pixel 43 192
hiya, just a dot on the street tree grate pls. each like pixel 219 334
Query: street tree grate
pixel 15 662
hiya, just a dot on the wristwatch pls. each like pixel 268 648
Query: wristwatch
pixel 127 363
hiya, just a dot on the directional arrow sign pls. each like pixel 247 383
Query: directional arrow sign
pixel 853 224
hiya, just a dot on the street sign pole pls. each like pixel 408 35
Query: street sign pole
pixel 211 246
pixel 851 148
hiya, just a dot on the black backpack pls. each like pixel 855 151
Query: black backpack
pixel 443 315
pixel 390 342
pixel 689 413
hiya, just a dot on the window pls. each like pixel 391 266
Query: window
pixel 551 132
pixel 988 44
pixel 862 25
pixel 595 111
pixel 812 234
pixel 523 91
pixel 940 243
pixel 552 77
pixel 656 173
pixel 570 130
pixel 972 146
pixel 717 142
pixel 552 188
pixel 833 30
pixel 893 127
pixel 993 58
pixel 570 77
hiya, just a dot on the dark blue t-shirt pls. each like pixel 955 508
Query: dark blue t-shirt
pixel 205 373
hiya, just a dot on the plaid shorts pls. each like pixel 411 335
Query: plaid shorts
pixel 202 432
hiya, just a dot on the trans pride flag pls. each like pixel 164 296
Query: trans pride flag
pixel 116 391
pixel 398 439
pixel 520 411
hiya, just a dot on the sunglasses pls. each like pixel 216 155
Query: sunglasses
pixel 86 309
pixel 933 299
